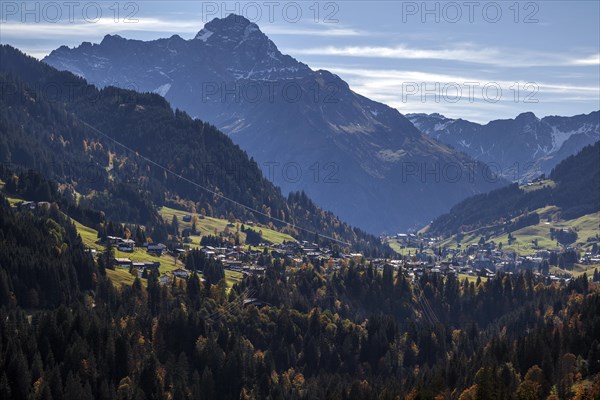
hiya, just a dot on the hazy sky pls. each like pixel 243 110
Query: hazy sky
pixel 476 60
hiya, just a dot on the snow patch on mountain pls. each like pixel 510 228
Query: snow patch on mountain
pixel 203 35
pixel 163 89
pixel 559 137
pixel 464 143
pixel 440 126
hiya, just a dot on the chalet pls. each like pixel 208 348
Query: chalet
pixel 113 239
pixel 309 247
pixel 488 273
pixel 27 205
pixel 138 265
pixel 126 245
pixel 255 302
pixel 257 270
pixel 220 250
pixel 157 246
pixel 181 273
pixel 123 262
pixel 313 254
pixel 156 249
pixel 210 251
pixel 231 264
pixel 146 265
pixel 554 278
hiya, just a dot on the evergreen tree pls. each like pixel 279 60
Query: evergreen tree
pixel 108 256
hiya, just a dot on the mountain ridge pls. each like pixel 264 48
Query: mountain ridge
pixel 307 130
pixel 523 147
pixel 52 136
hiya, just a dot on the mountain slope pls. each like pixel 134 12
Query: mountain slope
pixel 49 134
pixel 520 148
pixel 574 187
pixel 307 129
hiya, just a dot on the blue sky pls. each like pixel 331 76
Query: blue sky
pixel 477 60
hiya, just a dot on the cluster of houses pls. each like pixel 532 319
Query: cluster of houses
pixel 246 260
pixel 128 245
pixel 140 266
pixel 485 259
pixel 588 258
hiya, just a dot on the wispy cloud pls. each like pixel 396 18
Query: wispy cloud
pixel 467 53
pixel 307 31
pixel 102 27
pixel 417 91
pixel 591 60
pixel 385 77
pixel 105 26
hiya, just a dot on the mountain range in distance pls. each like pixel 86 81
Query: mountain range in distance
pixel 306 129
pixel 519 149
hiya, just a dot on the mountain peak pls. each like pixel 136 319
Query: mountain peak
pixel 231 19
pixel 526 116
pixel 235 28
pixel 438 115
pixel 112 39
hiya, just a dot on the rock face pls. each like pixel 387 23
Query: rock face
pixel 521 148
pixel 306 129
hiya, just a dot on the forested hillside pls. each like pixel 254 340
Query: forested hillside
pixel 45 128
pixel 574 186
pixel 352 333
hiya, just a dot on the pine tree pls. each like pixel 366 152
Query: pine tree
pixel 108 256
pixel 175 225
